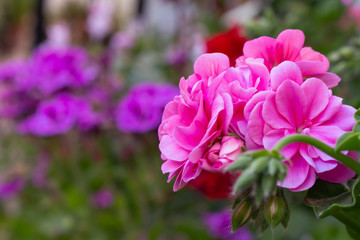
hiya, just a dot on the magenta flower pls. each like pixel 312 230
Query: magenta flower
pixel 51 69
pixel 288 46
pixel 141 108
pixel 52 117
pixel 193 120
pixel 309 109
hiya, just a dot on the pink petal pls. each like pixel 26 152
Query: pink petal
pixel 272 137
pixel 288 45
pixel 179 183
pixel 317 95
pixel 258 97
pixel 271 115
pixel 330 79
pixel 326 133
pixel 344 118
pixel 286 70
pixel 261 47
pixel 339 174
pixel 171 150
pixel 306 154
pixel 308 183
pixel 191 171
pixel 171 166
pixel 297 174
pixel 260 72
pixel 333 107
pixel 323 166
pixel 251 145
pixel 211 64
pixel 308 68
pixel 256 124
pixel 308 54
pixel 291 103
pixel 189 137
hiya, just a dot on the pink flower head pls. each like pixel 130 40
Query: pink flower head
pixel 289 46
pixel 194 120
pixel 308 109
pixel 222 153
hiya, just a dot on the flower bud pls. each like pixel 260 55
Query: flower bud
pixel 275 210
pixel 222 153
pixel 241 213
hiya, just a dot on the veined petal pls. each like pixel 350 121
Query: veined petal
pixel 288 45
pixel 261 47
pixel 317 95
pixel 285 71
pixel 211 64
pixel 291 103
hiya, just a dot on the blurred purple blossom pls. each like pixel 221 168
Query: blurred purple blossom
pixel 87 118
pixel 100 19
pixel 102 199
pixel 51 69
pixel 55 116
pixel 12 103
pixel 140 110
pixel 219 226
pixel 11 188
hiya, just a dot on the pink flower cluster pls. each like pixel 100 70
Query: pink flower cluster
pixel 277 88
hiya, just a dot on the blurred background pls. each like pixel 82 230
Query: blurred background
pixel 83 84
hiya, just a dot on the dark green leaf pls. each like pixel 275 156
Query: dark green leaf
pixel 348 141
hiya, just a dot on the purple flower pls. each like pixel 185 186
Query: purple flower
pixel 219 226
pixel 9 189
pixel 87 118
pixel 10 101
pixel 51 69
pixel 55 116
pixel 141 108
pixel 102 199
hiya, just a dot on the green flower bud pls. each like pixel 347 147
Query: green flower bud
pixel 241 214
pixel 275 210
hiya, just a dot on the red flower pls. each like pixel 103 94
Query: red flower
pixel 214 185
pixel 230 43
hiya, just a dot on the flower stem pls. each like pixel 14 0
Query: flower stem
pixel 344 159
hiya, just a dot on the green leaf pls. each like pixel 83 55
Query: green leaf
pixel 357 115
pixel 348 141
pixel 326 197
pixel 338 200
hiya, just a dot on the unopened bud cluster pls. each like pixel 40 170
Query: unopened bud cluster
pixel 258 197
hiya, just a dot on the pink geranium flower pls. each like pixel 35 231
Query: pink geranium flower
pixel 289 46
pixel 309 109
pixel 194 120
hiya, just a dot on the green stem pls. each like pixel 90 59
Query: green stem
pixel 347 161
